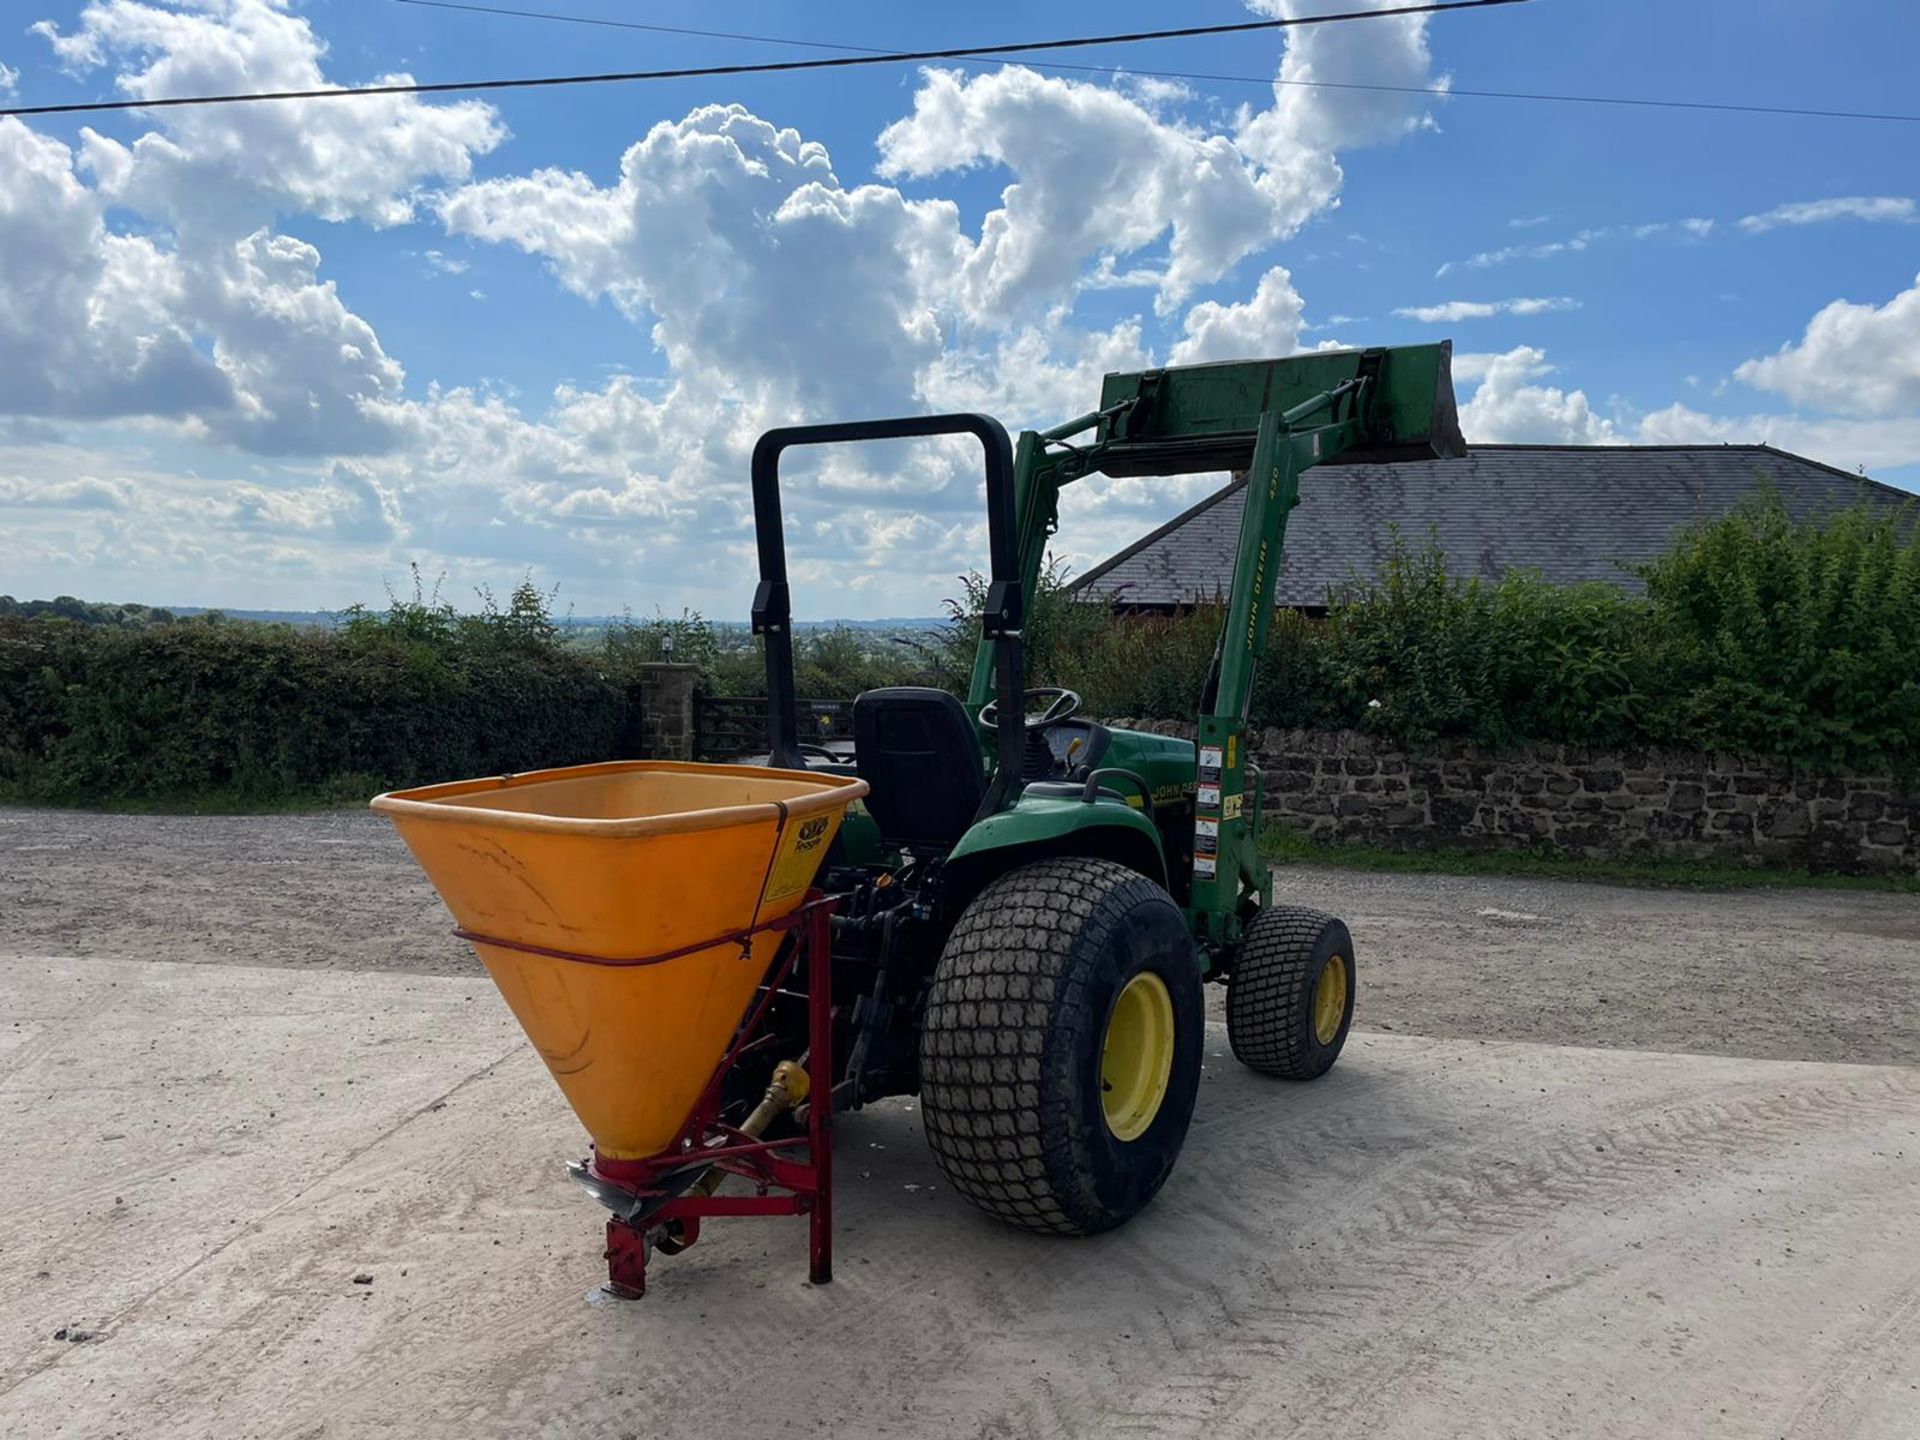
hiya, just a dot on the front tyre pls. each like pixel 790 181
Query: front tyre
pixel 1290 995
pixel 1061 1051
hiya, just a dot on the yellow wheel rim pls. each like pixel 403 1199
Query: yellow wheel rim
pixel 1330 1000
pixel 1136 1058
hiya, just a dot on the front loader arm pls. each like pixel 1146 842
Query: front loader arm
pixel 1226 861
pixel 1272 419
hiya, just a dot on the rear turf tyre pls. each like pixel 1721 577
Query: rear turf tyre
pixel 1061 1051
pixel 1290 996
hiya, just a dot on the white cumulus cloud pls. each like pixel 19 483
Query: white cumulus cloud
pixel 237 165
pixel 1386 52
pixel 90 322
pixel 200 314
pixel 1511 407
pixel 1267 323
pixel 235 338
pixel 1096 173
pixel 1854 359
pixel 758 267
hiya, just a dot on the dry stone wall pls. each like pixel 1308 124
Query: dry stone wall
pixel 1350 788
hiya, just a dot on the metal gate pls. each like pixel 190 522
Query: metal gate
pixel 727 727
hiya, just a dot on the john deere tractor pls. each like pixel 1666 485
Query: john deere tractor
pixel 1032 900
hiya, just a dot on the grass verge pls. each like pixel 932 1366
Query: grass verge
pixel 1285 847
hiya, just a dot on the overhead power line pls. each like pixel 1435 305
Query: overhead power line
pixel 837 62
pixel 1434 90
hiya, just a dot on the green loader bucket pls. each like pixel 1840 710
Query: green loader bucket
pixel 1202 417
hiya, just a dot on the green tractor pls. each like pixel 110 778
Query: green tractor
pixel 1030 901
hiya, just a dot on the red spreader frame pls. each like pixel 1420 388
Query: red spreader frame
pixel 784 1183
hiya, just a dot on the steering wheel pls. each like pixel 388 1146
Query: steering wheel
pixel 1063 705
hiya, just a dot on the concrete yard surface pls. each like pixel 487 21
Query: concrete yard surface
pixel 1443 1238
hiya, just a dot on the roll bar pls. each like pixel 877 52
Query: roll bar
pixel 1005 611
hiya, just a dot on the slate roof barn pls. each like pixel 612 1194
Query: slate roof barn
pixel 1572 512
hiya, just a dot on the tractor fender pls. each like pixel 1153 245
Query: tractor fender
pixel 1041 827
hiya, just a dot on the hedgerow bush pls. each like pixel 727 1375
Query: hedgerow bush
pixel 261 714
pixel 1420 655
pixel 1759 634
pixel 1793 639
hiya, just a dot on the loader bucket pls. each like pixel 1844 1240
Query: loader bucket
pixel 1190 418
pixel 601 898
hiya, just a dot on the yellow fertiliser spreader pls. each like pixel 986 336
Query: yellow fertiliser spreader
pixel 631 913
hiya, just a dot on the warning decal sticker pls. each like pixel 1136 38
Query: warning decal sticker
pixel 800 853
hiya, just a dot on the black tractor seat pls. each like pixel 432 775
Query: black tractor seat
pixel 918 752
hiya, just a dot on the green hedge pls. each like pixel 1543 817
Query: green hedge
pixel 198 712
pixel 1757 634
pixel 1799 641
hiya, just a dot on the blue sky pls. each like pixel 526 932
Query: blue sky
pixel 266 360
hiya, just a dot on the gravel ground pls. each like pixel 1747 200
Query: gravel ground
pixel 1775 974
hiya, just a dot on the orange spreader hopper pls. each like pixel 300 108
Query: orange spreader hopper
pixel 608 904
